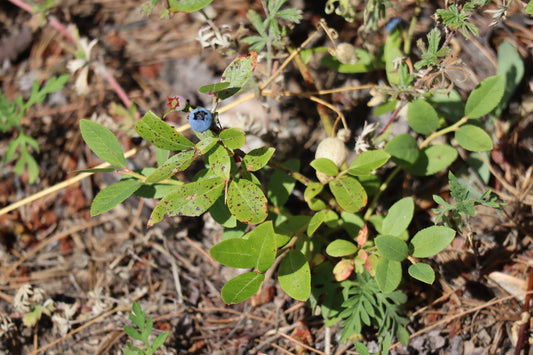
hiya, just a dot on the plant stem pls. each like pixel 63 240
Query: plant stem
pixel 381 189
pixel 443 131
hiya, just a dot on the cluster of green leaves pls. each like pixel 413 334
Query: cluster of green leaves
pixel 456 18
pixel 145 326
pixel 11 114
pixel 354 276
pixel 454 215
pixel 366 305
pixel 270 32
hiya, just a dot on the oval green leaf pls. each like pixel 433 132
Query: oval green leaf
pixel 191 199
pixel 161 134
pixel 237 74
pixel 187 5
pixel 258 158
pixel 205 145
pixel 485 97
pixel 422 117
pixel 432 160
pixel 398 217
pixel 219 161
pixel 103 143
pixel 241 287
pixel 232 138
pixel 326 166
pixel 312 190
pixel 315 222
pixel 403 149
pixel 178 162
pixel 211 89
pixel 473 138
pixel 388 274
pixel 422 272
pixel 349 193
pixel 368 161
pixel 247 202
pixel 341 247
pixel 391 247
pixel 235 252
pixel 294 275
pixel 113 195
pixel 429 241
pixel 263 241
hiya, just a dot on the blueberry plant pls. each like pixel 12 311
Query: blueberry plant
pixel 339 254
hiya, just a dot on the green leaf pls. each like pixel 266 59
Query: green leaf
pixel 219 161
pixel 241 287
pixel 485 97
pixel 113 195
pixel 431 240
pixel 187 5
pixel 391 51
pixel 237 74
pixel 529 7
pixel 258 158
pixel 281 184
pixel 349 193
pixel 235 252
pixel 510 66
pixel 473 138
pixel 449 104
pixel 315 222
pixel 132 332
pixel 213 88
pixel 191 199
pixel 221 214
pixel 246 201
pixel 205 145
pixel 326 166
pixel 159 341
pixel 422 272
pixel 392 248
pixel 398 217
pixel 340 248
pixel 432 160
pixel 388 274
pixel 312 190
pixel 161 134
pixel 178 162
pixel 403 149
pixel 422 117
pixel 263 240
pixel 103 143
pixel 232 138
pixel 368 161
pixel 294 275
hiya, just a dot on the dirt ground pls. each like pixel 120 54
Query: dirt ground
pixel 94 268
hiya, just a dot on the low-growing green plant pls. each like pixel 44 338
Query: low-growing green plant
pixel 144 326
pixel 339 254
pixel 11 114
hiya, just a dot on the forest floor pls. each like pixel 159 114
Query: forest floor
pixel 97 267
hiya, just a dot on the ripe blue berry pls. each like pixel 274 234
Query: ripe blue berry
pixel 200 119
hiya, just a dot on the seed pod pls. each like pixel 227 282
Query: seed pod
pixel 345 53
pixel 334 149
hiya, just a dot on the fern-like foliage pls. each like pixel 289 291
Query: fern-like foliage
pixel 366 305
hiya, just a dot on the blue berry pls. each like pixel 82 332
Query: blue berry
pixel 200 119
pixel 395 22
